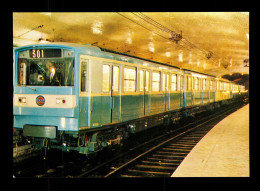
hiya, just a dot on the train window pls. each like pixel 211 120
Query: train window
pixel 211 84
pixel 196 83
pixel 115 78
pixel 22 73
pixel 83 76
pixel 221 86
pixel 188 83
pixel 187 86
pixel 203 84
pixel 129 79
pixel 46 72
pixel 163 82
pixel 141 80
pixel 179 83
pixel 156 81
pixel 173 82
pixel 147 80
pixel 167 82
pixel 105 78
pixel 200 84
pixel 207 84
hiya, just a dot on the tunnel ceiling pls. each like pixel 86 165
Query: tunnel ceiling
pixel 215 43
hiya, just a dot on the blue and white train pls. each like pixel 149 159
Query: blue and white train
pixel 84 98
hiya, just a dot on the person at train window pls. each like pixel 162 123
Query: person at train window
pixel 53 77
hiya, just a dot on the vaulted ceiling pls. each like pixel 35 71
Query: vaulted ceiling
pixel 215 43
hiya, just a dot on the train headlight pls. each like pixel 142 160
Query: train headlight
pixel 22 99
pixel 60 100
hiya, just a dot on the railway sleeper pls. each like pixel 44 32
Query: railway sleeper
pixel 169 156
pixel 159 163
pixel 183 144
pixel 177 149
pixel 130 176
pixel 172 153
pixel 190 142
pixel 144 173
pixel 157 159
pixel 156 168
pixel 190 139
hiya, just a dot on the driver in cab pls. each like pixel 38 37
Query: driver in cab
pixel 52 77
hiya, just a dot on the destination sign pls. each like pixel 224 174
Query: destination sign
pixel 45 53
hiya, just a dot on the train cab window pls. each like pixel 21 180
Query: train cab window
pixel 141 81
pixel 115 78
pixel 173 82
pixel 83 75
pixel 129 79
pixel 147 80
pixel 105 78
pixel 156 78
pixel 46 72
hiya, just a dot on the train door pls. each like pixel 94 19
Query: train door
pixel 181 81
pixel 145 88
pixel 111 101
pixel 165 90
pixel 84 94
pixel 115 93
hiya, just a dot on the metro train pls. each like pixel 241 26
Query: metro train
pixel 83 98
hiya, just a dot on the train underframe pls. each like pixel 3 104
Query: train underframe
pixel 93 140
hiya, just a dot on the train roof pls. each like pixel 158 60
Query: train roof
pixel 78 47
pixel 144 59
pixel 98 51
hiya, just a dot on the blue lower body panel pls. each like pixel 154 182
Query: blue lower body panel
pixel 62 123
pixel 189 99
pixel 197 98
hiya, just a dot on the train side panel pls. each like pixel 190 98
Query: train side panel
pixel 175 100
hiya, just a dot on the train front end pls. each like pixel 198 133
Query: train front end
pixel 44 100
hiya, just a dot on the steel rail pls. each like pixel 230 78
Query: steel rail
pixel 165 142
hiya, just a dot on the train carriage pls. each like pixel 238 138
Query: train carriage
pixel 84 98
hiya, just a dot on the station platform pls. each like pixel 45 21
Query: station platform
pixel 223 152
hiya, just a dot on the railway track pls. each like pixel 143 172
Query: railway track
pixel 157 157
pixel 162 159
